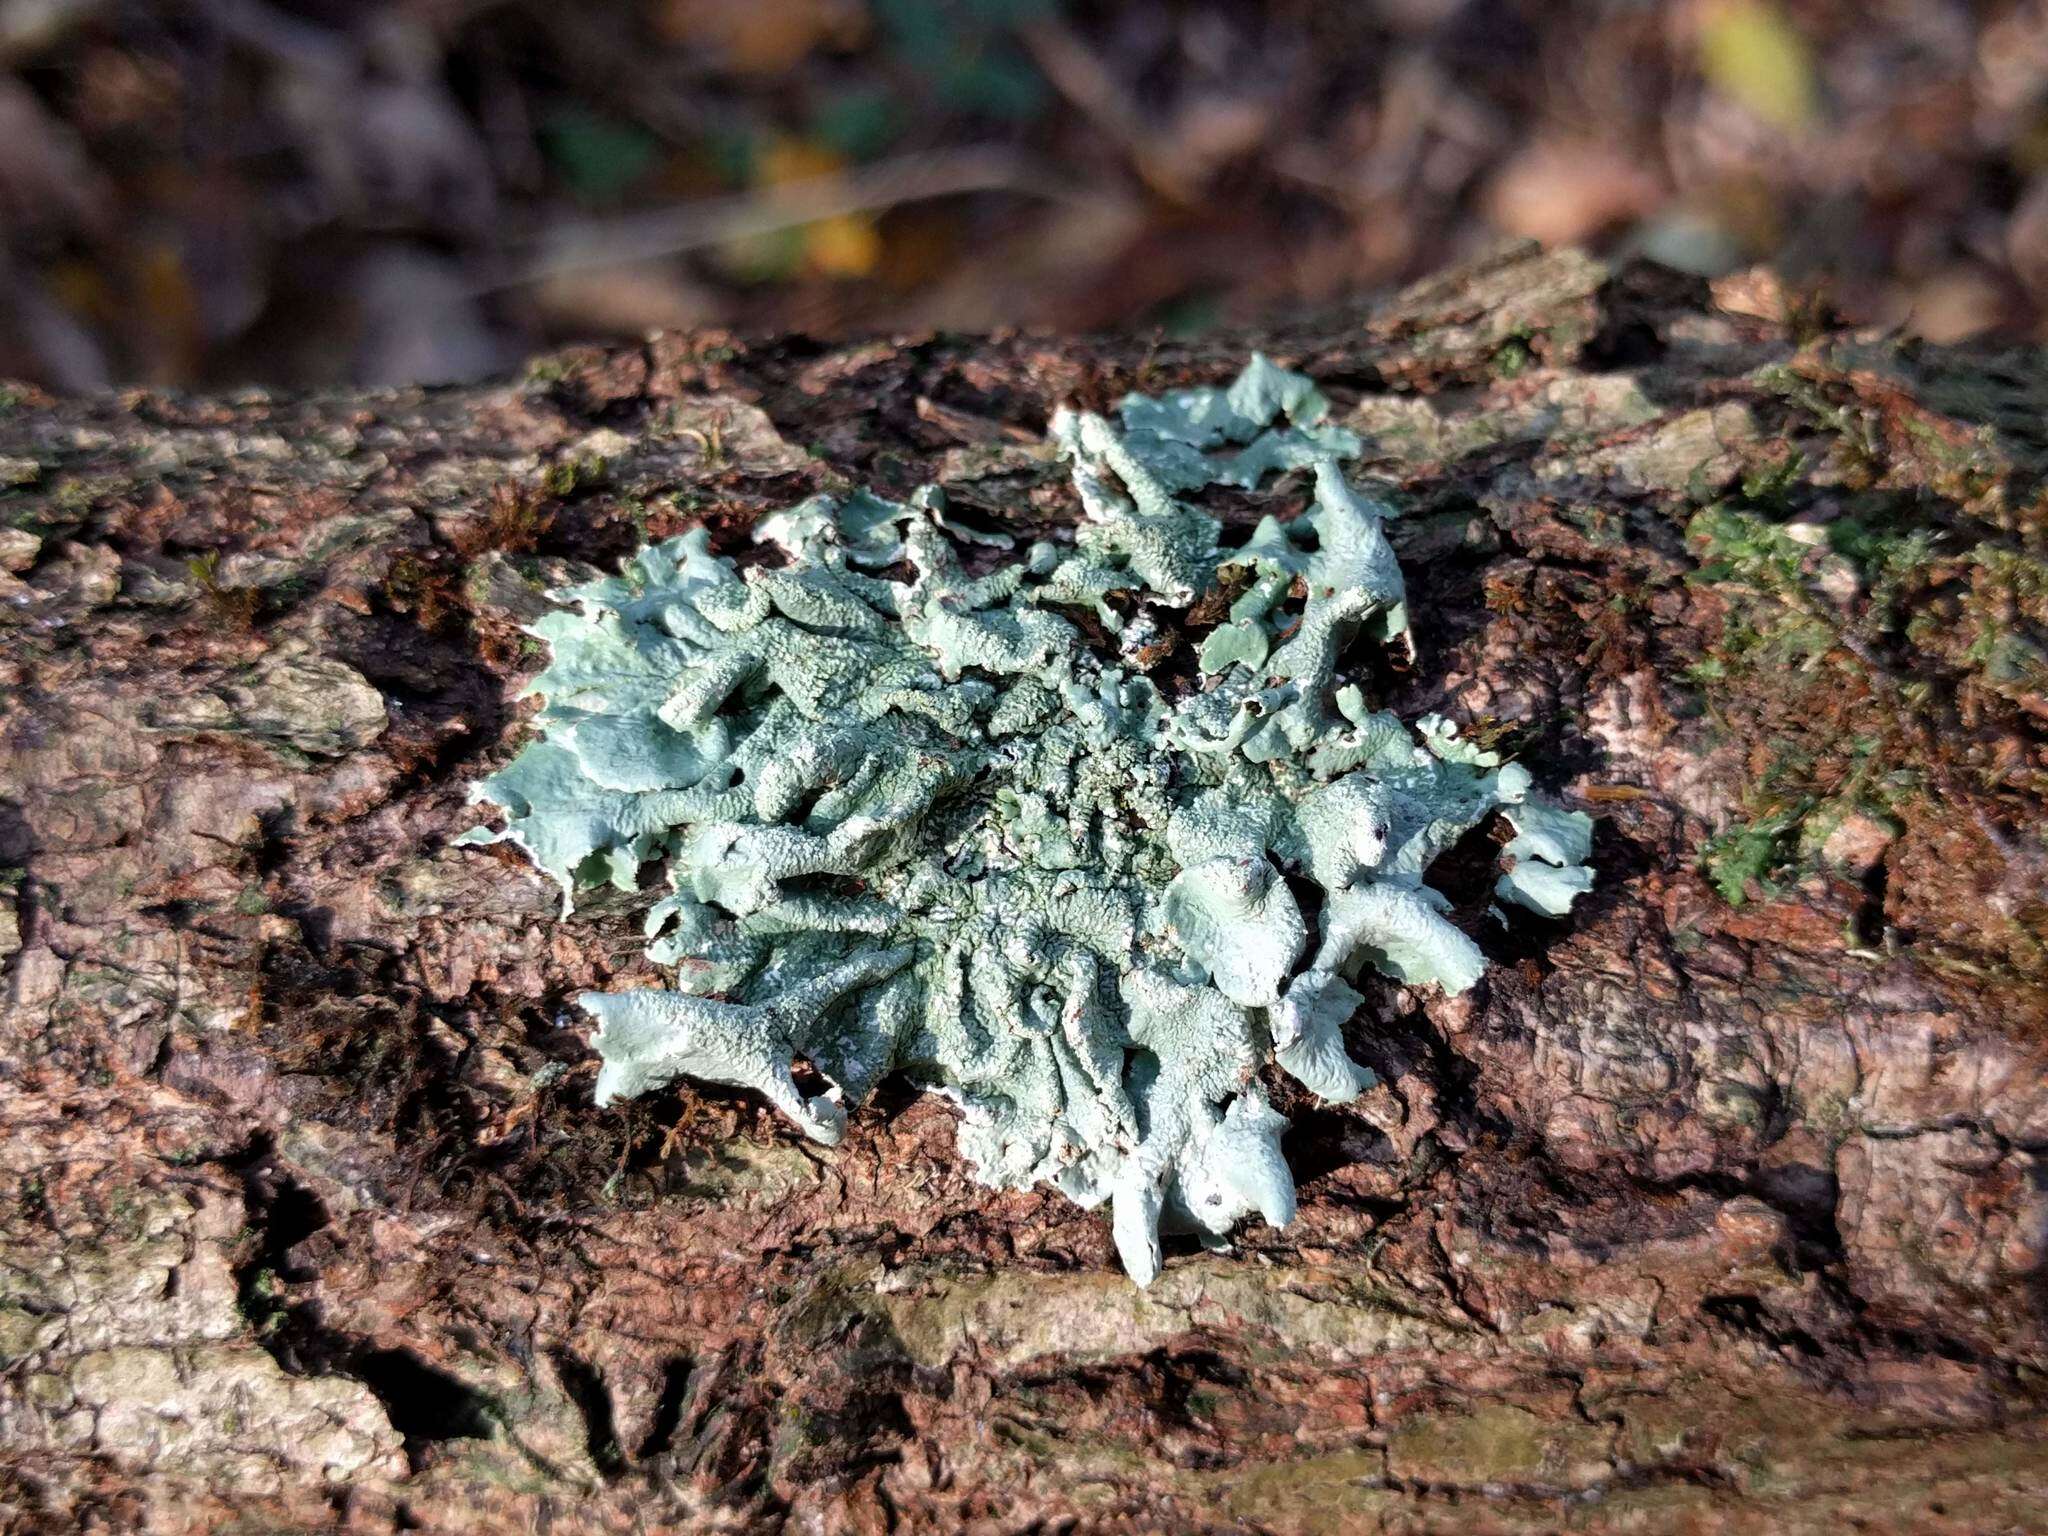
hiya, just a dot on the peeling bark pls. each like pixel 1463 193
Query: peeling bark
pixel 1720 1206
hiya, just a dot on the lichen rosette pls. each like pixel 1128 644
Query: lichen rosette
pixel 914 821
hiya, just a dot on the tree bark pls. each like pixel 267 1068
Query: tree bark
pixel 1718 1206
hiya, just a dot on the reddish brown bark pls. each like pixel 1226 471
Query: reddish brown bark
pixel 1696 1215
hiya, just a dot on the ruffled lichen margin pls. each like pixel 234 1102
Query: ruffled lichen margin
pixel 916 819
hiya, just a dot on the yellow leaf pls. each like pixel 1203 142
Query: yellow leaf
pixel 761 37
pixel 846 246
pixel 1754 56
pixel 785 160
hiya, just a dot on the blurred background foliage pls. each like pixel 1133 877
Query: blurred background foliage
pixel 315 191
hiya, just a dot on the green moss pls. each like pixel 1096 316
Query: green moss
pixel 1513 359
pixel 582 472
pixel 75 496
pixel 1845 644
pixel 1749 854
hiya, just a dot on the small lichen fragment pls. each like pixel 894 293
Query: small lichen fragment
pixel 914 821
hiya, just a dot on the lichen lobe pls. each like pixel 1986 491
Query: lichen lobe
pixel 922 825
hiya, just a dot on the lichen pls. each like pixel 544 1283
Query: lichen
pixel 915 820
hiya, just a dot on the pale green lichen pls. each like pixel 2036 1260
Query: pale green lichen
pixel 922 825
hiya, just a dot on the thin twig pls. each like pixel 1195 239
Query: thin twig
pixel 1078 73
pixel 715 221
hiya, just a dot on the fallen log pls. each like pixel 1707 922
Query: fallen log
pixel 1718 1205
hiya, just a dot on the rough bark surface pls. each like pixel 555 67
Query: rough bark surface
pixel 1720 1206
